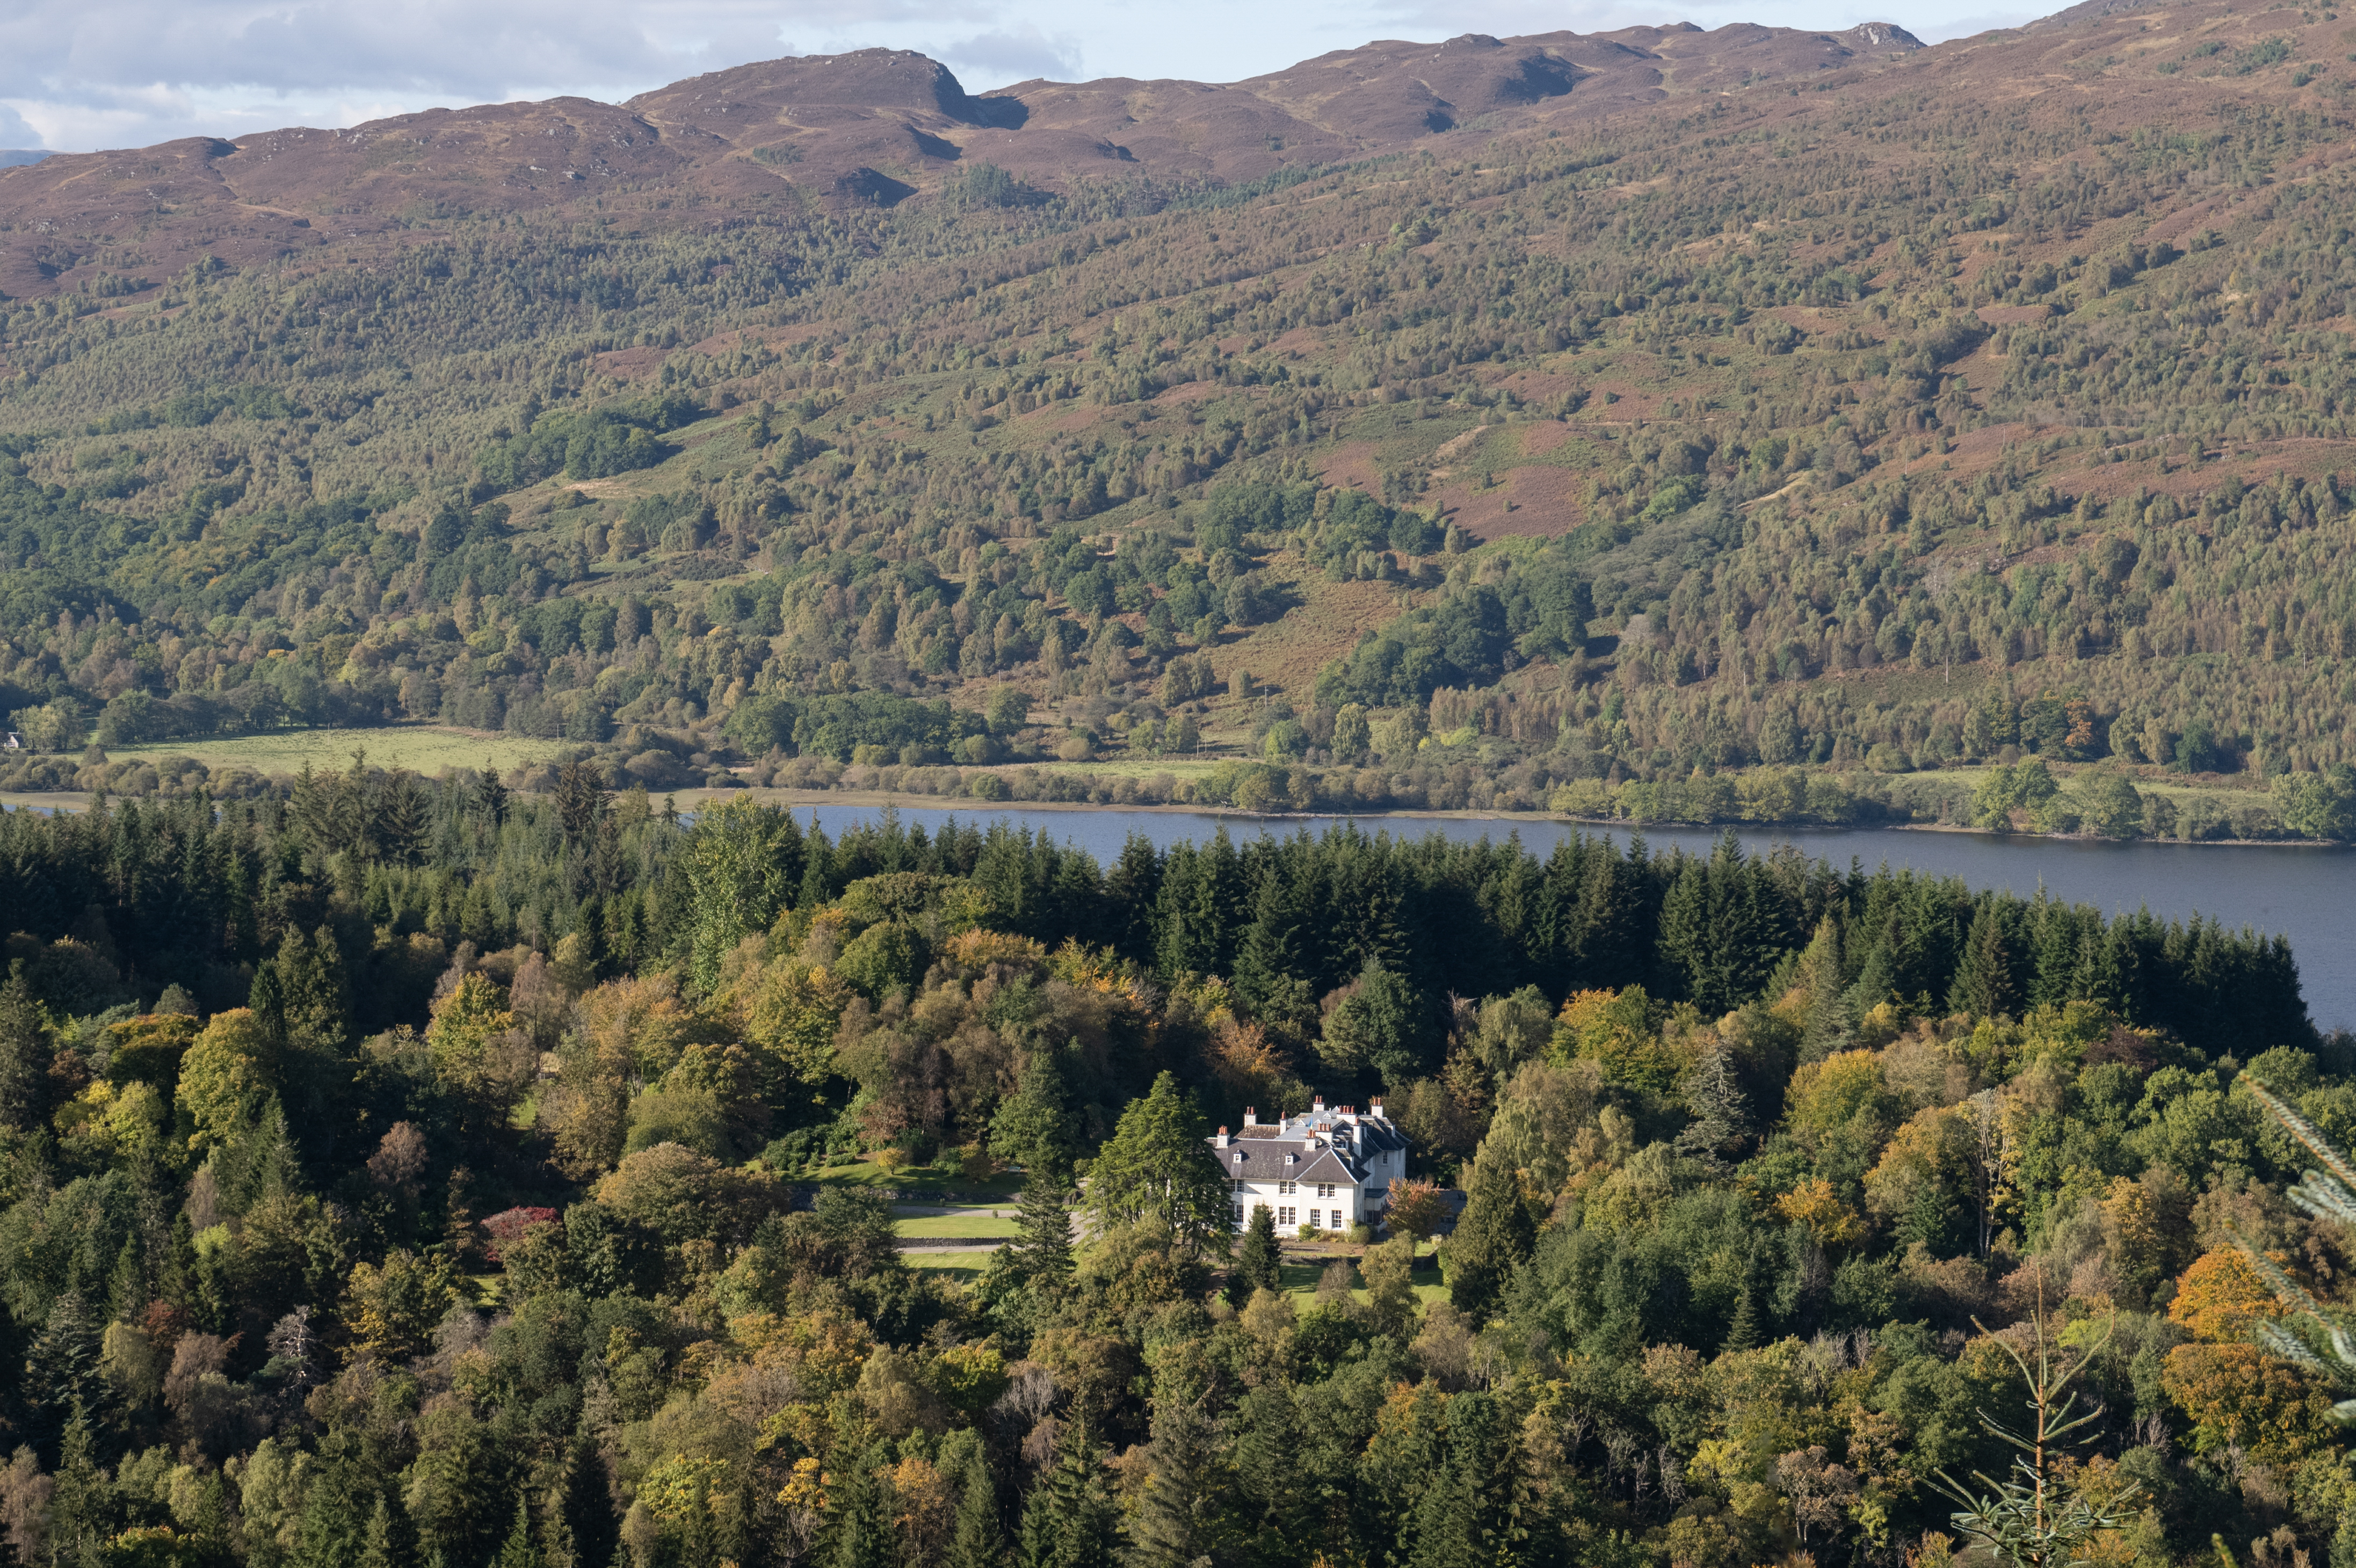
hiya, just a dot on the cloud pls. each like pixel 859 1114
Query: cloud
pixel 1010 55
pixel 14 132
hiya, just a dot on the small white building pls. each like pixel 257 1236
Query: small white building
pixel 1331 1168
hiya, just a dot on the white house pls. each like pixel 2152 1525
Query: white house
pixel 1331 1168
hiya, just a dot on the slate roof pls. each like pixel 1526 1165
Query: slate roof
pixel 1258 1153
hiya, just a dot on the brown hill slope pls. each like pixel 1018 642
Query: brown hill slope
pixel 770 140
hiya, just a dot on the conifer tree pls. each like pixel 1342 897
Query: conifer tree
pixel 1493 1236
pixel 863 1537
pixel 1070 1519
pixel 1467 1517
pixel 1156 1166
pixel 382 1546
pixel 1042 1252
pixel 520 1549
pixel 82 1508
pixel 1033 1128
pixel 1721 1115
pixel 1821 975
pixel 1258 1261
pixel 1178 1519
pixel 583 1505
pixel 24 1053
pixel 1983 983
pixel 980 1540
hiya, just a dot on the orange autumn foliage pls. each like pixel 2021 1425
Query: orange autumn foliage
pixel 2239 1396
pixel 2220 1297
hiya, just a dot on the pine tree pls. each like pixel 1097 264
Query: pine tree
pixel 24 1053
pixel 1258 1262
pixel 1178 1519
pixel 1491 1240
pixel 980 1541
pixel 1042 1252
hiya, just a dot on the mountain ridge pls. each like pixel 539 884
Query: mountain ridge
pixel 871 128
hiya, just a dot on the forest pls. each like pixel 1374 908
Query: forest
pixel 1886 435
pixel 413 1172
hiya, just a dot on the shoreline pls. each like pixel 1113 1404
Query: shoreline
pixel 966 806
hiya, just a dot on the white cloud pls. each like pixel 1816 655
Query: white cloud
pixel 1018 54
pixel 14 132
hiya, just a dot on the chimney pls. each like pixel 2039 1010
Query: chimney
pixel 1317 1106
pixel 1374 1105
pixel 1223 1137
pixel 1251 1117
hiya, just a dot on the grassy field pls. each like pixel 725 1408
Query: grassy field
pixel 421 748
pixel 963 1267
pixel 1301 1278
pixel 979 1223
pixel 916 1179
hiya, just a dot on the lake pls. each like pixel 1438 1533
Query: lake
pixel 2306 894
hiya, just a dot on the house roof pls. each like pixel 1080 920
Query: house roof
pixel 1262 1162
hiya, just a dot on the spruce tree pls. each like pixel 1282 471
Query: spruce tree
pixel 520 1549
pixel 24 1053
pixel 1828 1024
pixel 1466 1518
pixel 1983 982
pixel 863 1516
pixel 1178 1519
pixel 981 1540
pixel 1071 1520
pixel 1157 1166
pixel 1033 1128
pixel 1258 1261
pixel 585 1503
pixel 1721 1116
pixel 1747 1329
pixel 382 1546
pixel 81 1509
pixel 1041 1253
pixel 1491 1240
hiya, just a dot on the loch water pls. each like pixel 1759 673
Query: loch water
pixel 2306 894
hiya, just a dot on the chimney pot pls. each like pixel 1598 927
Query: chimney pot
pixel 1251 1117
pixel 1223 1137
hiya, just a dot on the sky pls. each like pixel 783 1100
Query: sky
pixel 82 75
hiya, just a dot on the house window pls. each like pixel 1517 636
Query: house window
pixel 1238 1213
pixel 1316 1219
pixel 1284 1216
pixel 1324 1189
pixel 1284 1189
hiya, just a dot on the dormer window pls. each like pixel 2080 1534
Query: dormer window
pixel 1291 1158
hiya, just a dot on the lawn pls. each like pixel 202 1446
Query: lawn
pixel 421 748
pixel 979 1223
pixel 963 1267
pixel 1301 1278
pixel 915 1178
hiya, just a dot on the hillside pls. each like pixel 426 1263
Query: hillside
pixel 1612 423
pixel 440 1129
